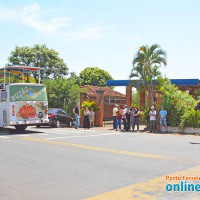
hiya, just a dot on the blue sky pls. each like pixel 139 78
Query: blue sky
pixel 106 33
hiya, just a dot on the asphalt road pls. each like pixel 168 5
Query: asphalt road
pixel 68 164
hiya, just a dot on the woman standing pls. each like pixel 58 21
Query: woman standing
pixel 92 117
pixel 86 123
pixel 119 118
pixel 136 117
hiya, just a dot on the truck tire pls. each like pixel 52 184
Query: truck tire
pixel 20 127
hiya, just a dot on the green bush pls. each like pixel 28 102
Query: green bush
pixel 178 104
pixel 190 118
pixel 144 116
pixel 90 104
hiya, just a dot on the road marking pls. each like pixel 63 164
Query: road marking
pixel 58 131
pixel 42 134
pixel 90 131
pixel 102 149
pixel 82 136
pixel 152 189
pixel 69 132
pixel 4 137
pixel 22 135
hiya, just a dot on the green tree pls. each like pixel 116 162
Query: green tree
pixel 94 76
pixel 146 66
pixel 63 93
pixel 176 102
pixel 73 75
pixel 135 99
pixel 40 56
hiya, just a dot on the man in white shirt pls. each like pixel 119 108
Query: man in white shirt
pixel 152 115
pixel 115 109
pixel 123 116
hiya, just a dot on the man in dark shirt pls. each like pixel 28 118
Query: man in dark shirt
pixel 76 113
pixel 128 118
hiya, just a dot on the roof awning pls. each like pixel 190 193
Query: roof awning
pixel 18 70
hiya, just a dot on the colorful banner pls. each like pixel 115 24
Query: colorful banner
pixel 32 110
pixel 28 93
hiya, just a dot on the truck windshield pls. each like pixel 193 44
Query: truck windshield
pixel 28 93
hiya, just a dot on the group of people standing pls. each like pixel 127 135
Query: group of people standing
pixel 130 117
pixel 89 117
pixel 88 120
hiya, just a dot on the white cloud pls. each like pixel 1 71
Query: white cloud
pixel 91 33
pixel 32 15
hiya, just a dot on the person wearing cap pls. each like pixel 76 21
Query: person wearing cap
pixel 152 115
pixel 115 109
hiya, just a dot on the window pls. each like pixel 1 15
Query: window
pixel 114 101
pixel 117 101
pixel 107 100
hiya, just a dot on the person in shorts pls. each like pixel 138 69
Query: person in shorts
pixel 92 117
pixel 163 118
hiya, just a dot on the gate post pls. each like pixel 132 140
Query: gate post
pixel 128 95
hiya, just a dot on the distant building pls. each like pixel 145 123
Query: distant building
pixel 110 96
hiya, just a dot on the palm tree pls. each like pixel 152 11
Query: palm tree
pixel 146 65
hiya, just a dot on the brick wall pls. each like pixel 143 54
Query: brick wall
pixel 108 110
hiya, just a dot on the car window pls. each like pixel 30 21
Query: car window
pixel 53 111
pixel 63 113
pixel 60 112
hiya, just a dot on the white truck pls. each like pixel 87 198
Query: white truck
pixel 23 104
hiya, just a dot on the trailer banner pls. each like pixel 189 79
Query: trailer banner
pixel 32 110
pixel 28 93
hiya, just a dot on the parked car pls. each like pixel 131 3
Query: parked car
pixel 58 117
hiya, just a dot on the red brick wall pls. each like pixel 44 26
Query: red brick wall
pixel 108 110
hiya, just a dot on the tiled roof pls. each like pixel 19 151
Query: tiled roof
pixel 91 91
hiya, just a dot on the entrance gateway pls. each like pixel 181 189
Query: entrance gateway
pixel 190 85
pixel 22 104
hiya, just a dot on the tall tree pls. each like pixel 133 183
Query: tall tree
pixel 40 56
pixel 146 66
pixel 63 93
pixel 73 75
pixel 94 76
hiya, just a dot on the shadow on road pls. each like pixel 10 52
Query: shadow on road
pixel 10 131
pixel 194 142
pixel 13 131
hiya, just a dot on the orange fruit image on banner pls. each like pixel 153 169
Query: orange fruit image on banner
pixel 27 111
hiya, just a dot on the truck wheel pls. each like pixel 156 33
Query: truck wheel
pixel 38 126
pixel 57 124
pixel 20 127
